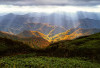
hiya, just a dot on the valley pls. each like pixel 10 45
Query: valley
pixel 27 42
pixel 81 52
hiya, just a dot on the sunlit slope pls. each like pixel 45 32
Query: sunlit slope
pixel 34 42
pixel 74 33
pixel 56 30
pixel 7 35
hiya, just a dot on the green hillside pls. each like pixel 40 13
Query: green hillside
pixel 86 46
pixel 10 47
pixel 83 52
pixel 31 61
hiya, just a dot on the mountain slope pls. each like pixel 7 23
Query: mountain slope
pixel 34 42
pixel 89 23
pixel 31 34
pixel 16 24
pixel 74 33
pixel 10 47
pixel 86 46
pixel 7 35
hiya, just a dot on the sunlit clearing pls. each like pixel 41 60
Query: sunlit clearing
pixel 46 9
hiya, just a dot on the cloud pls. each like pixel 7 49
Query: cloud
pixel 46 9
pixel 51 2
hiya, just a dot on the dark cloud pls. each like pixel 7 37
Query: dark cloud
pixel 51 2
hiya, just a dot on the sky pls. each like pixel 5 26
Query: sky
pixel 51 2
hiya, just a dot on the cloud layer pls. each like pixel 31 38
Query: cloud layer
pixel 46 9
pixel 51 2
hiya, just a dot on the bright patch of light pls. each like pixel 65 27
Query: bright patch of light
pixel 98 6
pixel 46 9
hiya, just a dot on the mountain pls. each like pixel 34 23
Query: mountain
pixel 36 38
pixel 13 21
pixel 31 34
pixel 89 15
pixel 7 35
pixel 89 23
pixel 43 28
pixel 16 24
pixel 74 33
pixel 34 42
pixel 45 23
pixel 70 28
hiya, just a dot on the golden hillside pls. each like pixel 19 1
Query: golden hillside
pixel 70 34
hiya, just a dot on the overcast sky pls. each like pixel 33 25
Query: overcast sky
pixel 51 2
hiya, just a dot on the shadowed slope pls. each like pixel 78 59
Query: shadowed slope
pixel 9 47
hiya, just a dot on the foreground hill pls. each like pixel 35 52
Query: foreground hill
pixel 32 61
pixel 86 46
pixel 10 47
pixel 83 52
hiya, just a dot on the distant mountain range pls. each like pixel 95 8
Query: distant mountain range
pixel 26 28
pixel 89 23
pixel 16 24
pixel 37 39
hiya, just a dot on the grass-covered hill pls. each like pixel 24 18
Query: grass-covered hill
pixel 83 52
pixel 32 61
pixel 10 47
pixel 86 46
